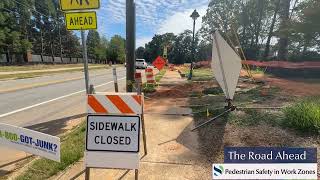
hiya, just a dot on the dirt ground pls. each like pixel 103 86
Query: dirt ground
pixel 223 133
pixel 296 87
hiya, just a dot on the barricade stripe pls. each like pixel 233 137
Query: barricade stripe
pixel 137 99
pixel 135 107
pixel 111 108
pixel 95 105
pixel 120 104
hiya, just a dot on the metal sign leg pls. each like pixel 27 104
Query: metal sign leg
pixel 144 134
pixel 136 174
pixel 87 174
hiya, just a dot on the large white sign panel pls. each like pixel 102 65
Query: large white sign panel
pixel 29 141
pixel 117 160
pixel 226 65
pixel 113 133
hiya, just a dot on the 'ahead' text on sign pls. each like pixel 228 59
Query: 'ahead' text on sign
pixel 67 5
pixel 81 20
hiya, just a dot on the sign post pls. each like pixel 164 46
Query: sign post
pixel 226 65
pixel 81 20
pixel 85 59
pixel 115 79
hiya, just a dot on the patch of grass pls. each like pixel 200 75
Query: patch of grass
pixel 304 115
pixel 213 90
pixel 37 74
pixel 251 117
pixel 256 93
pixel 196 94
pixel 201 74
pixel 258 70
pixel 160 75
pixel 10 68
pixel 72 149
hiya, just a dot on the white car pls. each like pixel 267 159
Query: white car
pixel 141 64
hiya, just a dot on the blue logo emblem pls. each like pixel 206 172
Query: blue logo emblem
pixel 218 170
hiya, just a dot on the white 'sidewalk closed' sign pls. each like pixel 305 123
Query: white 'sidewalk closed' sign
pixel 113 130
pixel 30 141
pixel 113 133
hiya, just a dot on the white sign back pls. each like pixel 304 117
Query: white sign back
pixel 226 65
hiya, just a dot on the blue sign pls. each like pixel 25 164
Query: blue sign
pixel 269 155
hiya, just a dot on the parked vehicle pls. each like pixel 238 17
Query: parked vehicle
pixel 141 64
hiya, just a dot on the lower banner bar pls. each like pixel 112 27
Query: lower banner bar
pixel 265 171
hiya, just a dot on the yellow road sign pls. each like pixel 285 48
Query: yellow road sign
pixel 67 5
pixel 81 20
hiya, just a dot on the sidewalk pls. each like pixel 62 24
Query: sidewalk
pixel 172 148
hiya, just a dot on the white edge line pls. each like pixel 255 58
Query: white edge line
pixel 52 100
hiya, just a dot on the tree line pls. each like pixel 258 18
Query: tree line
pixel 286 30
pixel 38 27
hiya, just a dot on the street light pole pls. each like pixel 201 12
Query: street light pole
pixel 194 16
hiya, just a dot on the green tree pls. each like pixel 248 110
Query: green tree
pixel 13 29
pixel 101 50
pixel 283 31
pixel 182 48
pixel 140 52
pixel 93 43
pixel 155 47
pixel 116 50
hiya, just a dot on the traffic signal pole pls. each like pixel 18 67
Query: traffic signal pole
pixel 130 43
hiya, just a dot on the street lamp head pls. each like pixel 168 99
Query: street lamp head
pixel 195 15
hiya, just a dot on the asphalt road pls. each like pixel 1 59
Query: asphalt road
pixel 49 108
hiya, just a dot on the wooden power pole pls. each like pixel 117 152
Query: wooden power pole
pixel 130 43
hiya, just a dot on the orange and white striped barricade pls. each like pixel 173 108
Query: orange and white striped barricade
pixel 113 130
pixel 138 80
pixel 150 77
pixel 115 103
pixel 138 77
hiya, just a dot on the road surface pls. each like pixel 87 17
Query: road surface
pixel 48 108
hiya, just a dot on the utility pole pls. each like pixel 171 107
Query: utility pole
pixel 130 43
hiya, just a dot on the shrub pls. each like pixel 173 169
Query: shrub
pixel 304 115
pixel 149 88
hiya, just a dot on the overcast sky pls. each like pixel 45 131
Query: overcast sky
pixel 153 17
